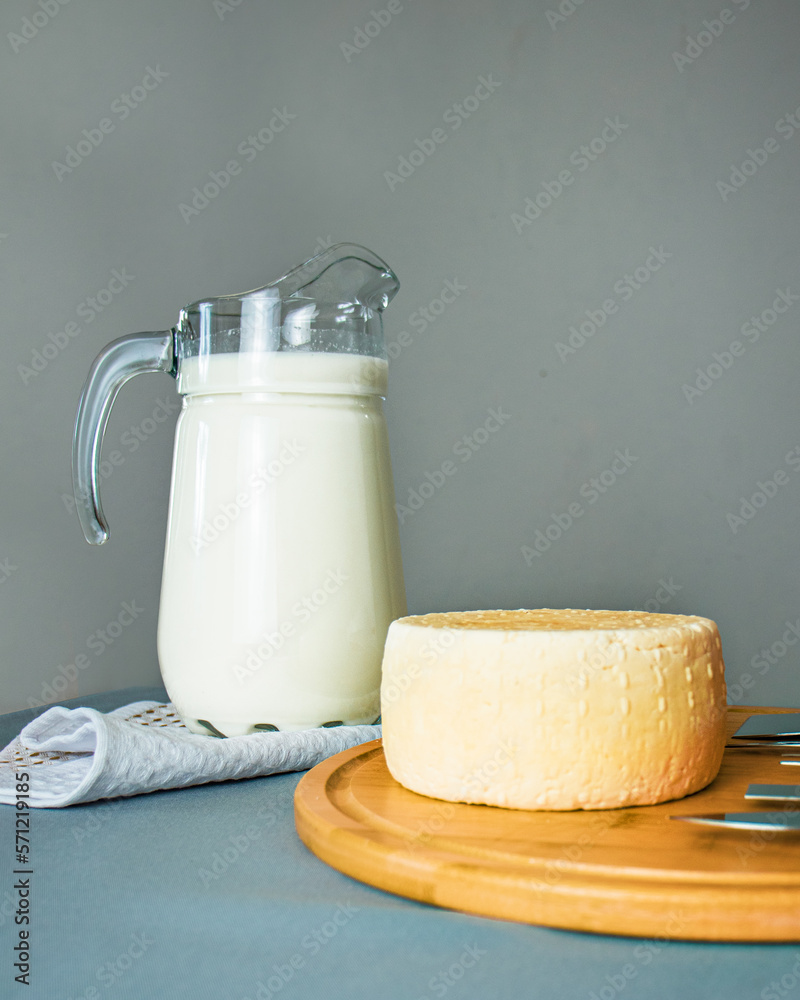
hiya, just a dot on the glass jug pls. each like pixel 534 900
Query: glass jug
pixel 282 566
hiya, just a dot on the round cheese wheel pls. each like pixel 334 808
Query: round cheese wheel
pixel 549 709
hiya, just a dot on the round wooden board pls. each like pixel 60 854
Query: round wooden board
pixel 617 871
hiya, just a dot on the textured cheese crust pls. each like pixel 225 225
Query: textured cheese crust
pixel 553 709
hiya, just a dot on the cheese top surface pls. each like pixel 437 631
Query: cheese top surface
pixel 546 619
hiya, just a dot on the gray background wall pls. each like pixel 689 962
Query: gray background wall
pixel 683 123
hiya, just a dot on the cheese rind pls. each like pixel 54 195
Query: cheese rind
pixel 553 709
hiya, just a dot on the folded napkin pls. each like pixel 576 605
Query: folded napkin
pixel 80 754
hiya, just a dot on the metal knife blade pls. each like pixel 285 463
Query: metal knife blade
pixel 748 743
pixel 779 793
pixel 747 821
pixel 770 727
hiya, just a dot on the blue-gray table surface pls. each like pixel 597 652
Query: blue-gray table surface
pixel 207 892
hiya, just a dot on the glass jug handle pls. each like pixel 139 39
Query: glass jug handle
pixel 116 363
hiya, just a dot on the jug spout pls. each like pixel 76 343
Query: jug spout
pixel 344 273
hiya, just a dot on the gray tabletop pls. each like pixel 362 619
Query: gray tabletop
pixel 207 892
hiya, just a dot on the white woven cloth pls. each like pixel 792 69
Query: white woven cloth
pixel 80 754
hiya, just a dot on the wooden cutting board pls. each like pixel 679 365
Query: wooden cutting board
pixel 616 871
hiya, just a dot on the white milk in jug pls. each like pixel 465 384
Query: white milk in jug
pixel 282 568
